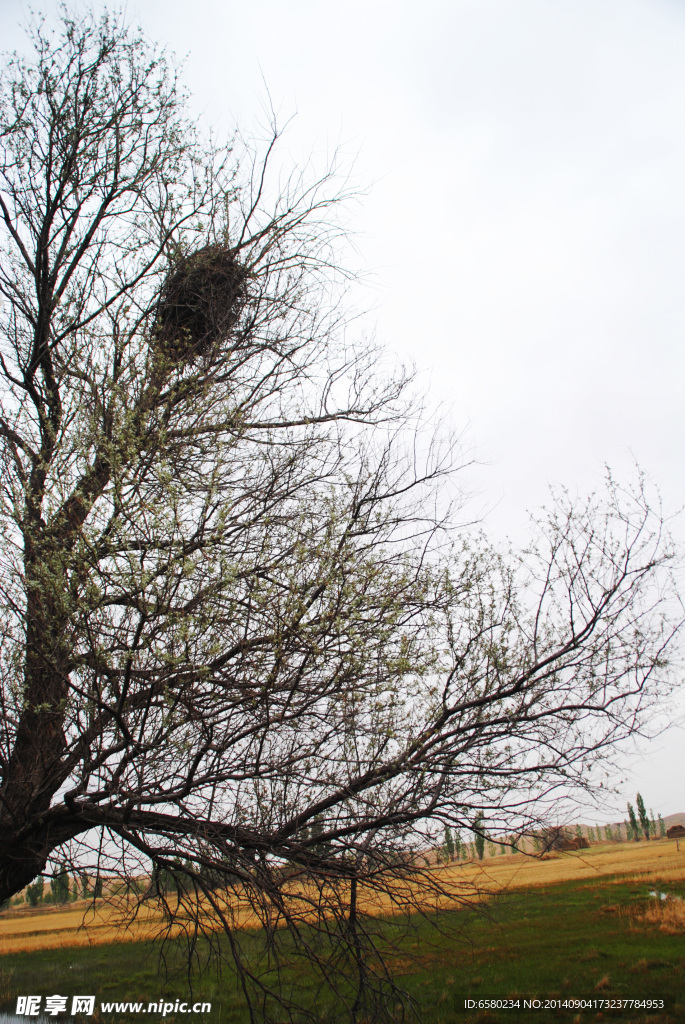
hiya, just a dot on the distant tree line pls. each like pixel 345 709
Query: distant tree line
pixel 639 823
pixel 64 888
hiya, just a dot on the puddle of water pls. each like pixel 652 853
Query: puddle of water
pixel 656 894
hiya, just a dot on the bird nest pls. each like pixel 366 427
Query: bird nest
pixel 199 304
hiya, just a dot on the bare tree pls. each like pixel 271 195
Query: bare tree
pixel 243 645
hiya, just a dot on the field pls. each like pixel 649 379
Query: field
pixel 584 925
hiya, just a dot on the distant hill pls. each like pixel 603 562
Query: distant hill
pixel 593 833
pixel 618 828
pixel 498 845
pixel 670 819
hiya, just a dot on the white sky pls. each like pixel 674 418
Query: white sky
pixel 524 224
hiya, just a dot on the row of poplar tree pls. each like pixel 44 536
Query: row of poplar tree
pixel 637 825
pixel 63 888
pixel 647 824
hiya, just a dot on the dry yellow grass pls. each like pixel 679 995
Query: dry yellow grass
pixel 667 915
pixel 77 925
pixel 81 924
pixel 645 862
pixel 656 862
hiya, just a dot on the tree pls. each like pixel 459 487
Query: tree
pixel 662 828
pixel 479 836
pixel 34 892
pixel 644 817
pixel 634 827
pixel 59 885
pixel 241 628
pixel 449 844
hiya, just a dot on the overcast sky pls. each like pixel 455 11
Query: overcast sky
pixel 524 222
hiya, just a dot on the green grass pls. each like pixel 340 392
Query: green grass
pixel 568 941
pixel 560 943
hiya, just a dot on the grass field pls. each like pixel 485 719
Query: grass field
pixel 582 925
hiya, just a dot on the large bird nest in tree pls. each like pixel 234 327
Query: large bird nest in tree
pixel 199 304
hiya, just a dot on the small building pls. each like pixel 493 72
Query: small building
pixel 676 832
pixel 577 843
pixel 560 840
